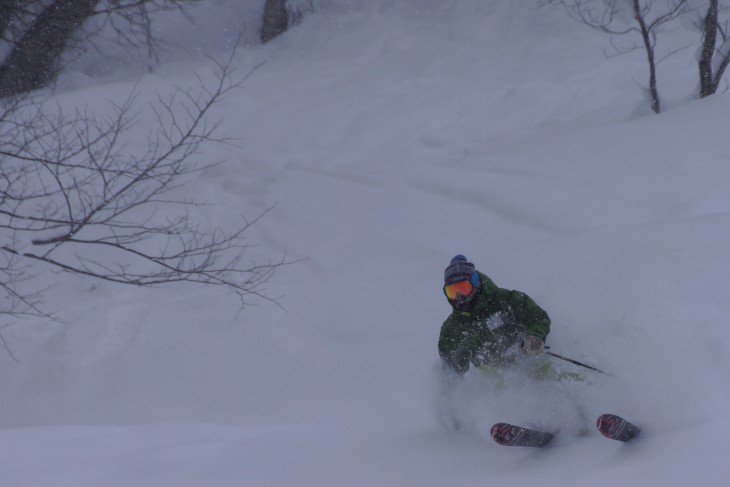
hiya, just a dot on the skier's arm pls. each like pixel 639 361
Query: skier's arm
pixel 457 345
pixel 528 314
pixel 452 352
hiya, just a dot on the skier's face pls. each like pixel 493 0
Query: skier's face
pixel 459 291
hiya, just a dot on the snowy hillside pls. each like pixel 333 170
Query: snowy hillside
pixel 389 138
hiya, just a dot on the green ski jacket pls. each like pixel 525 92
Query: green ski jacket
pixel 498 319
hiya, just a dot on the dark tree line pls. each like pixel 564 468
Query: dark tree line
pixel 37 34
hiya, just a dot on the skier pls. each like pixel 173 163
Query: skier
pixel 486 321
pixel 487 324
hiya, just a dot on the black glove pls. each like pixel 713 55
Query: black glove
pixel 531 345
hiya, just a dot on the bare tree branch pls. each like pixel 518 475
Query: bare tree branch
pixel 4 345
pixel 76 198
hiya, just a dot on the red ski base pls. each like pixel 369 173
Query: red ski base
pixel 511 435
pixel 616 427
pixel 610 426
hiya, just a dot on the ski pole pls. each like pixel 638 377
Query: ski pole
pixel 552 354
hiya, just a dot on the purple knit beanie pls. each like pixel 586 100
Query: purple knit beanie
pixel 458 270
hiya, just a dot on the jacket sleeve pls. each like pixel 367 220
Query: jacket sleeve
pixel 452 348
pixel 529 315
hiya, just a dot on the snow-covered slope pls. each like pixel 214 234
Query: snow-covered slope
pixel 391 137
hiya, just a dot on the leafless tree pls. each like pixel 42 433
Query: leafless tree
pixel 37 33
pixel 648 19
pixel 280 14
pixel 713 58
pixel 76 196
pixel 34 60
pixel 276 19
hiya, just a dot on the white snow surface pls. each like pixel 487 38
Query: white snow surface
pixel 391 136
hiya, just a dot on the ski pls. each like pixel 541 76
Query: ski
pixel 610 426
pixel 510 435
pixel 616 427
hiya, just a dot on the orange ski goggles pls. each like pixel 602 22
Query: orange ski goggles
pixel 464 288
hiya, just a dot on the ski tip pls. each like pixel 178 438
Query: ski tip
pixel 616 428
pixel 507 434
pixel 501 433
